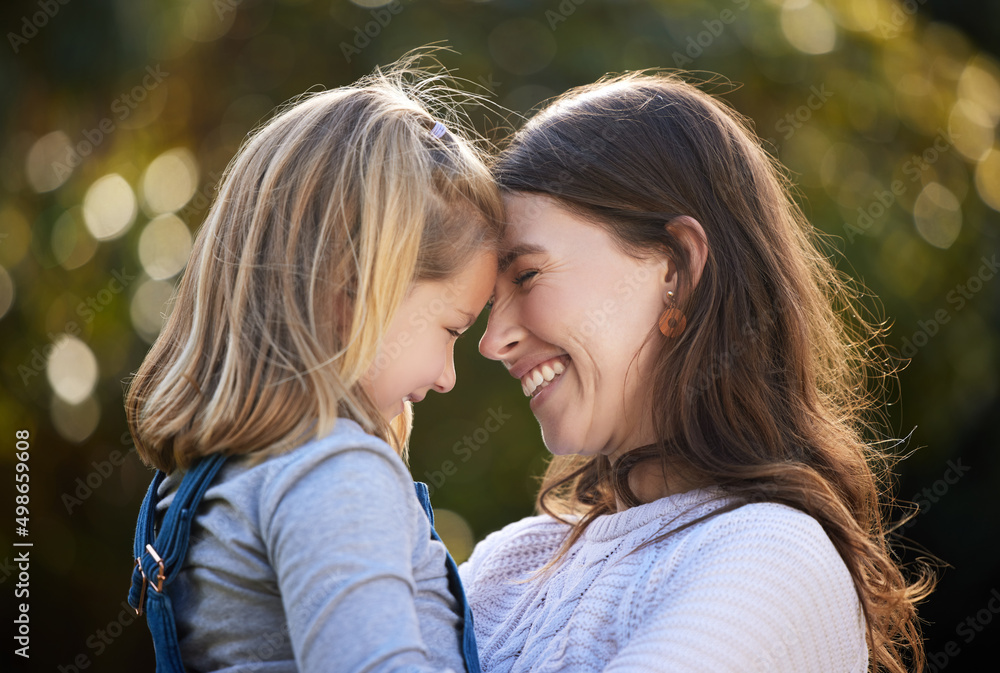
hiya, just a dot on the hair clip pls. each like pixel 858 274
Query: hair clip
pixel 438 130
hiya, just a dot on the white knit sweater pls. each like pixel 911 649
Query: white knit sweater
pixel 760 588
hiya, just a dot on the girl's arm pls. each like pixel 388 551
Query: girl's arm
pixel 340 534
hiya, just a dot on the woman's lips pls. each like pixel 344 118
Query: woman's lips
pixel 546 390
pixel 543 374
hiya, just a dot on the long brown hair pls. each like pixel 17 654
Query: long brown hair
pixel 774 390
pixel 324 219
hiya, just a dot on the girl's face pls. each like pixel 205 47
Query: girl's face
pixel 418 352
pixel 571 315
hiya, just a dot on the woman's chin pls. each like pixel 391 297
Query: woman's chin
pixel 560 444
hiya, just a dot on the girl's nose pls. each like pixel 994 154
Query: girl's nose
pixel 446 381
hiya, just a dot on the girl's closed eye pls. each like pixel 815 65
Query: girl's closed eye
pixel 524 276
pixel 454 332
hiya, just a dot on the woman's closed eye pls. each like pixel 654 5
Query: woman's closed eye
pixel 524 276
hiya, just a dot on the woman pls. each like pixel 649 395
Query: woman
pixel 713 503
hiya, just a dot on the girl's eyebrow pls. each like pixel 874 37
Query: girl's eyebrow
pixel 510 255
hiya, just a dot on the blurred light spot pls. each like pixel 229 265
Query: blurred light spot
pixel 75 422
pixel 164 247
pixel 938 215
pixel 149 307
pixel 988 179
pixel 808 27
pixel 980 83
pixel 71 369
pixel 203 22
pixel 109 207
pixel 170 181
pixel 72 244
pixel 522 46
pixel 856 15
pixel 6 292
pixel 455 533
pixel 14 244
pixel 47 167
pixel 971 129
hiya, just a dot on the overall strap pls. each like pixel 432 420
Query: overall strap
pixel 158 562
pixel 469 648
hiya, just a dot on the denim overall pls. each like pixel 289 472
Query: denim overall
pixel 157 562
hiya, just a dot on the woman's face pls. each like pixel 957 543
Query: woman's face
pixel 418 352
pixel 573 311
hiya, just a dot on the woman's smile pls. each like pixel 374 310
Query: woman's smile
pixel 542 375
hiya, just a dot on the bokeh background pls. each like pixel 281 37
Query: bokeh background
pixel 119 116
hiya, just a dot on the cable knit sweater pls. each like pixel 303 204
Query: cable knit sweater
pixel 760 588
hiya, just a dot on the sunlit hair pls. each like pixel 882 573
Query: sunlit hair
pixel 323 220
pixel 774 390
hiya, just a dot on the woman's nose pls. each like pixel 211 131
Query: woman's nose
pixel 502 333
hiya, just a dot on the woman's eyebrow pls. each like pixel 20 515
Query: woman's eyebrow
pixel 510 255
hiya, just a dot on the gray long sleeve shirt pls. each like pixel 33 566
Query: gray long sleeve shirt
pixel 316 560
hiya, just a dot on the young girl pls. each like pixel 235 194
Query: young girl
pixel 352 241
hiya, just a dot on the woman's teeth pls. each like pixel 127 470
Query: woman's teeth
pixel 541 376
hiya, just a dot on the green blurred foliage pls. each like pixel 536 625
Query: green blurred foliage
pixel 852 96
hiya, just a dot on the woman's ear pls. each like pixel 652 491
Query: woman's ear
pixel 691 235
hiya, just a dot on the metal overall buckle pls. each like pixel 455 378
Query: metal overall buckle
pixel 160 577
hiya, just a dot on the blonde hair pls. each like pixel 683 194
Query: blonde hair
pixel 324 219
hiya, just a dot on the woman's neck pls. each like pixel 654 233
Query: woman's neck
pixel 649 482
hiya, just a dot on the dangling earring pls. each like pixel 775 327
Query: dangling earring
pixel 672 322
